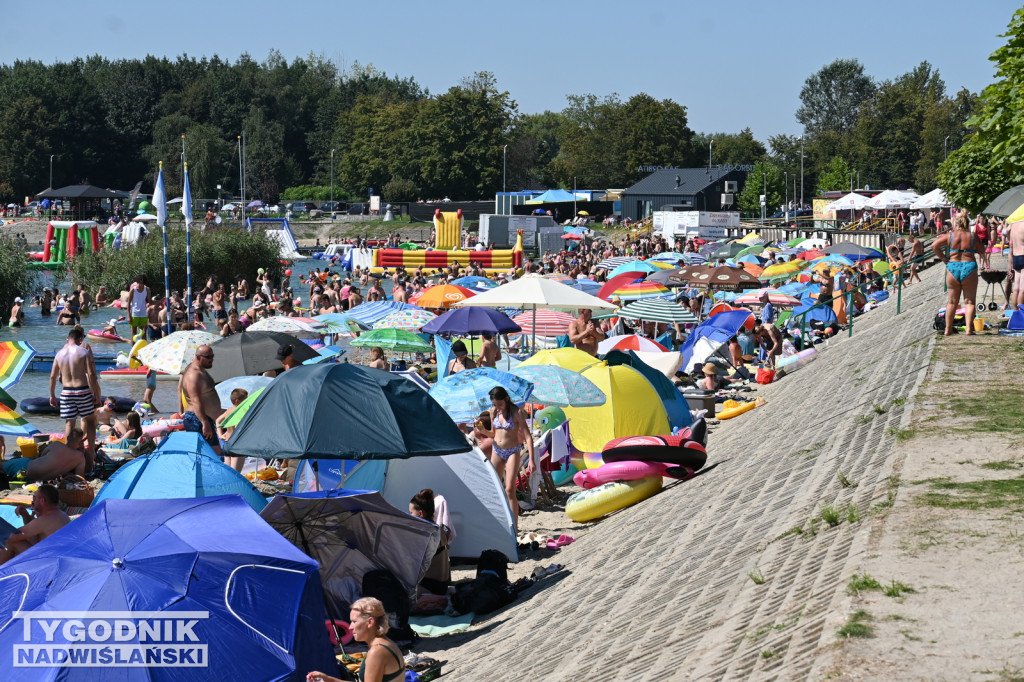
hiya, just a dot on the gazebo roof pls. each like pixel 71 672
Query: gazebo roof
pixel 80 192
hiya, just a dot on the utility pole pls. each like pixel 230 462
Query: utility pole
pixel 504 166
pixel 801 171
pixel 710 145
pixel 945 144
pixel 334 209
pixel 51 168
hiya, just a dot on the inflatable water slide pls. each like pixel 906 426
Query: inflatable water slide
pixel 63 238
pixel 448 231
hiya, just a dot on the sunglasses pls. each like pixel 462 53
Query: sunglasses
pixel 209 357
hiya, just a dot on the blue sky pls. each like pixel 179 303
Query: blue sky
pixel 732 64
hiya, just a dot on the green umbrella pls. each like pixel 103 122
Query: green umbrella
pixel 243 407
pixel 756 250
pixel 398 340
pixel 794 242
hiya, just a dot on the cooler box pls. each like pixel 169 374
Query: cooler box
pixel 700 399
pixel 28 446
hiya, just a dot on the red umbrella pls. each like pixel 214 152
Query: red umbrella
pixel 572 235
pixel 810 255
pixel 725 307
pixel 615 282
pixel 549 322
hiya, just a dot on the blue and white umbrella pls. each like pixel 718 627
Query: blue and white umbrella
pixel 370 312
pixel 614 262
pixel 464 395
pixel 561 387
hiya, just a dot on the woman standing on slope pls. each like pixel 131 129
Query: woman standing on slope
pixel 961 269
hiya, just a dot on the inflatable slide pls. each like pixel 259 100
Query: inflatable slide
pixel 496 261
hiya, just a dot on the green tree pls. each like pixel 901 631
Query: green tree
pixel 730 149
pixel 835 176
pixel 763 174
pixel 1000 121
pixel 830 98
pixel 25 130
pixel 969 177
pixel 15 279
pixel 534 145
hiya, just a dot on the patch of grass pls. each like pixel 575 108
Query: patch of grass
pixel 1006 494
pixel 879 409
pixel 809 450
pixel 901 435
pixel 908 635
pixel 897 590
pixel 897 402
pixel 882 507
pixel 994 411
pixel 844 480
pixel 795 530
pixel 862 583
pixel 1004 465
pixel 857 626
pixel 757 576
pixel 769 654
pixel 863 419
pixel 831 515
pixel 852 513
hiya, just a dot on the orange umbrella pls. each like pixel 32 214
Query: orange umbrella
pixel 753 268
pixel 442 296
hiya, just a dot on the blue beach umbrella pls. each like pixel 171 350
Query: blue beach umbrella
pixel 561 387
pixel 474 282
pixel 248 383
pixel 472 321
pixel 642 267
pixel 836 259
pixel 372 311
pixel 464 395
pixel 170 560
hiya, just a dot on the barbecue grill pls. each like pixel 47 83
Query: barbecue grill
pixel 993 278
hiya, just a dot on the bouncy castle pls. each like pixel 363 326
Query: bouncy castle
pixel 448 236
pixel 62 240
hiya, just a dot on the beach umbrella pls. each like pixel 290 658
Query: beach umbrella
pixel 351 532
pixel 638 266
pixel 145 218
pixel 254 204
pixel 727 250
pixel 615 261
pixel 613 283
pixel 635 291
pixel 813 254
pixel 254 353
pixel 472 321
pixel 572 236
pixel 570 358
pixel 249 384
pixel 694 259
pixel 753 269
pixel 632 408
pixel 163 563
pixel 371 311
pixel 175 352
pixel 409 319
pixel 935 199
pixel 299 327
pixel 719 308
pixel 670 278
pixel 340 323
pixel 881 267
pixel 751 258
pixel 464 395
pixel 12 423
pixel 852 251
pixel 184 466
pixel 721 278
pixel 474 282
pixel 754 250
pixel 398 340
pixel 825 265
pixel 326 354
pixel 1006 203
pixel 629 342
pixel 658 310
pixel 775 297
pixel 794 241
pixel 345 411
pixel 783 270
pixel 441 296
pixel 544 323
pixel 834 259
pixel 560 387
pixel 811 243
pixel 227 207
pixel 668 257
pixel 15 357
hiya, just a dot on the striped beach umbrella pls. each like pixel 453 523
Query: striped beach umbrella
pixel 15 357
pixel 658 310
pixel 775 297
pixel 371 311
pixel 398 340
pixel 546 322
pixel 12 423
pixel 637 290
pixel 629 342
pixel 410 319
pixel 783 270
pixel 614 262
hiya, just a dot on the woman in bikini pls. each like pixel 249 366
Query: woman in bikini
pixel 509 431
pixel 961 269
pixel 383 662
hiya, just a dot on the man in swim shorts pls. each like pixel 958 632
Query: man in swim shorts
pixel 80 389
pixel 201 402
pixel 1016 239
pixel 138 300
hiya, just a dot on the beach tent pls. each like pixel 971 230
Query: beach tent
pixel 822 313
pixel 260 599
pixel 477 503
pixel 553 196
pixel 633 408
pixel 184 466
pixel 676 408
pixel 353 532
pixel 710 335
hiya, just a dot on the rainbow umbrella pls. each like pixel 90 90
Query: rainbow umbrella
pixel 410 319
pixel 15 357
pixel 783 270
pixel 12 423
pixel 634 291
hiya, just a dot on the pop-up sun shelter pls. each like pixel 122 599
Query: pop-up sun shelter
pixel 217 573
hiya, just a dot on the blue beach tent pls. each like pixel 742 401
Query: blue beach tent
pixel 184 466
pixel 211 566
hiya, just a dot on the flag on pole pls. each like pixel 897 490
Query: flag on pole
pixel 186 204
pixel 135 194
pixel 186 208
pixel 160 202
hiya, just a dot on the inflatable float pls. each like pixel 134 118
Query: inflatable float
pixel 731 408
pixel 137 373
pixel 43 406
pixel 604 499
pixel 792 362
pixel 669 450
pixel 493 261
pixel 101 336
pixel 618 471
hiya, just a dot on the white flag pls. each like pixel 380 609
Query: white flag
pixel 160 198
pixel 186 204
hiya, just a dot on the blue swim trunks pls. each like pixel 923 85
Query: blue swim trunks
pixel 961 270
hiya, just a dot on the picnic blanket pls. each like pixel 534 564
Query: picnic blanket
pixel 434 626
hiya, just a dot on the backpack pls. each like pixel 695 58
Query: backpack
pixel 490 590
pixel 382 584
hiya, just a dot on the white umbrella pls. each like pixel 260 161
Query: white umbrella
pixel 849 201
pixel 227 207
pixel 176 201
pixel 145 218
pixel 893 198
pixel 934 199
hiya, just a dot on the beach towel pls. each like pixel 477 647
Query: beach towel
pixel 444 356
pixel 434 626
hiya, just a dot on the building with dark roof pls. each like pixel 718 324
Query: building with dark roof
pixel 685 189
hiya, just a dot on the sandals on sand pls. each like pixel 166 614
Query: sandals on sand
pixel 562 541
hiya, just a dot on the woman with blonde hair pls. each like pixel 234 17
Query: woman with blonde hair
pixel 369 624
pixel 957 250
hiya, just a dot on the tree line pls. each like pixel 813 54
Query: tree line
pixel 110 122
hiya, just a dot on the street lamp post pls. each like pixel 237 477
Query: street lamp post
pixel 334 209
pixel 51 168
pixel 945 143
pixel 785 204
pixel 801 172
pixel 710 145
pixel 764 201
pixel 851 180
pixel 218 198
pixel 504 166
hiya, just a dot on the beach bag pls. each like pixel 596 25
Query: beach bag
pixel 765 376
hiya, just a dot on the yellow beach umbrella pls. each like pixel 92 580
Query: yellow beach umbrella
pixel 569 358
pixel 1016 216
pixel 784 269
pixel 633 408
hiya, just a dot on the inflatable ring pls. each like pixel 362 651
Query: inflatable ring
pixel 604 499
pixel 618 471
pixel 563 476
pixel 735 409
pixel 133 356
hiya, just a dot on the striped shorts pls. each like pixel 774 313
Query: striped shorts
pixel 76 402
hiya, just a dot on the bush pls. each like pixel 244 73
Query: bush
pixel 224 253
pixel 15 278
pixel 400 190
